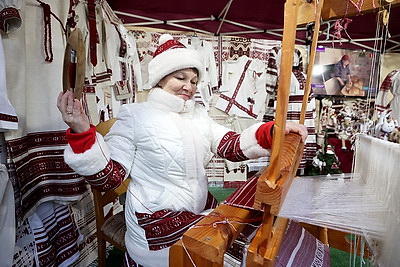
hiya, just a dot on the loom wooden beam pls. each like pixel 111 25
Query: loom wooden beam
pixel 273 194
pixel 286 154
pixel 342 241
pixel 285 75
pixel 335 9
pixel 210 238
pixel 262 250
pixel 267 242
pixel 179 257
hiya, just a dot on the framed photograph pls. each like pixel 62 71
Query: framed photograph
pixel 343 72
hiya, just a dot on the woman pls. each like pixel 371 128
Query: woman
pixel 164 144
pixel 342 71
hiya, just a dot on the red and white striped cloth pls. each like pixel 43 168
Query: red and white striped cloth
pixel 300 248
pixel 390 87
pixel 56 235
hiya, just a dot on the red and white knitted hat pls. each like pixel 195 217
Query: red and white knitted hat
pixel 171 55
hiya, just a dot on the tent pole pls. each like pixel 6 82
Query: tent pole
pixel 271 32
pixel 226 8
pixel 189 28
pixel 137 16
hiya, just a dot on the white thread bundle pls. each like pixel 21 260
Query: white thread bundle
pixel 367 203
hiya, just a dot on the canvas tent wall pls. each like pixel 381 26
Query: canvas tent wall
pixel 255 19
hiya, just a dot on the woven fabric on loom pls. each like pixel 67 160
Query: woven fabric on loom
pixel 300 248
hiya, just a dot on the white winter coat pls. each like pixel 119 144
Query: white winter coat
pixel 164 144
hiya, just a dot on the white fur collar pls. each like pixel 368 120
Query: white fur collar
pixel 163 100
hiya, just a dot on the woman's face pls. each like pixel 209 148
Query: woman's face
pixel 182 83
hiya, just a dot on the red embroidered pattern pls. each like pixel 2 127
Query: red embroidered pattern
pixel 6 14
pixel 109 178
pixel 56 240
pixel 300 77
pixel 41 172
pixel 93 35
pixel 387 82
pixel 6 117
pixel 163 228
pixel 48 46
pixel 229 147
pixel 232 100
pixel 170 44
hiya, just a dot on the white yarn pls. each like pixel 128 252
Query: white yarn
pixel 365 202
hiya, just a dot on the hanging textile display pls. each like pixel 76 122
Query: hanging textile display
pixel 243 88
pixel 7 215
pixel 388 97
pixel 10 21
pixel 34 150
pixel 53 227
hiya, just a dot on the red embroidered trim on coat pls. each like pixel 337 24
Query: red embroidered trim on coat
pixel 109 178
pixel 163 228
pixel 229 147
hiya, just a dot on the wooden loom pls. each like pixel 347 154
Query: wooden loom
pixel 206 245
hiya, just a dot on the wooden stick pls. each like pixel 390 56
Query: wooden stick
pixel 311 60
pixel 285 75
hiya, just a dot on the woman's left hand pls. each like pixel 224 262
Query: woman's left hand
pixel 297 128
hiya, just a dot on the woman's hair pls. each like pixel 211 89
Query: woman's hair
pixel 195 71
pixel 345 57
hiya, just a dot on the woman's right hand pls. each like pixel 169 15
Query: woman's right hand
pixel 72 112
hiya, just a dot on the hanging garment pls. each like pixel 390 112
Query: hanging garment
pixel 35 149
pixel 391 84
pixel 10 20
pixel 7 218
pixel 8 116
pixel 243 88
pixel 122 55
